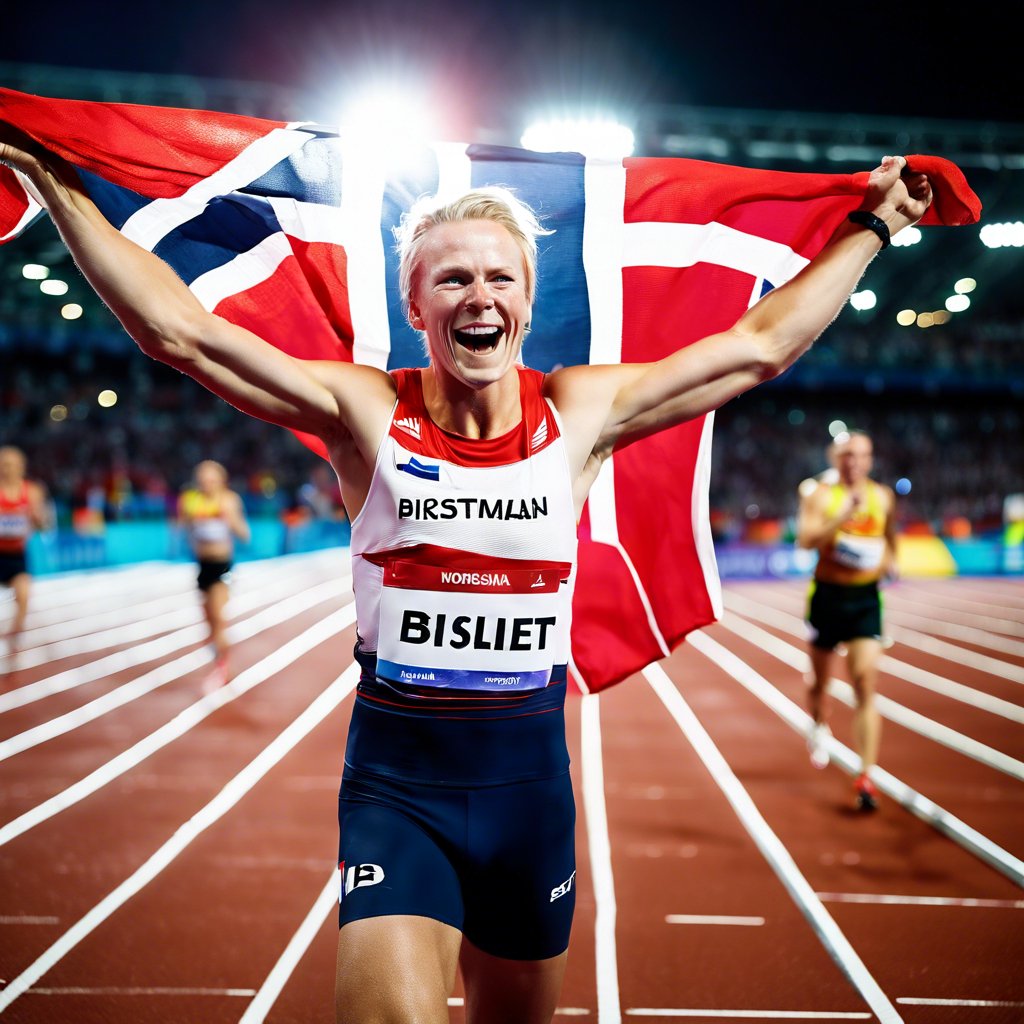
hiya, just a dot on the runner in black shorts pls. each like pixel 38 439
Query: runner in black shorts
pixel 852 524
pixel 463 622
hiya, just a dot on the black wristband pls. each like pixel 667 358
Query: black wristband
pixel 876 224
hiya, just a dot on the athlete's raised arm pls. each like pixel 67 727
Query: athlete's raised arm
pixel 608 406
pixel 331 400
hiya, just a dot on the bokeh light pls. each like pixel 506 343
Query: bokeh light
pixel 905 317
pixel 908 236
pixel 866 299
pixel 107 398
pixel 957 303
pixel 53 287
pixel 71 311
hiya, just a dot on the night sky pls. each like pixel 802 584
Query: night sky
pixel 484 61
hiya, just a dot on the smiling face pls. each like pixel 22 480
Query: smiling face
pixel 469 295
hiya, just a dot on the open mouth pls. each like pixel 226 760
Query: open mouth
pixel 479 339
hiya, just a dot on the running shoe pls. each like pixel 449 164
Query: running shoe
pixel 865 794
pixel 817 743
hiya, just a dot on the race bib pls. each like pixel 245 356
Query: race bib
pixel 495 624
pixel 210 531
pixel 13 524
pixel 861 553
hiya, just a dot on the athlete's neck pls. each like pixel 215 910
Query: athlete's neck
pixel 476 413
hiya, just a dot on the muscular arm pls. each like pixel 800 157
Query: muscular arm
pixel 330 400
pixel 236 518
pixel 609 406
pixel 38 507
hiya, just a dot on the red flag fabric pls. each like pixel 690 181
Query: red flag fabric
pixel 285 229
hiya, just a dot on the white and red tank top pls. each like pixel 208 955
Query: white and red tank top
pixel 15 521
pixel 464 554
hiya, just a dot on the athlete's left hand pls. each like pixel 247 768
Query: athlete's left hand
pixel 897 194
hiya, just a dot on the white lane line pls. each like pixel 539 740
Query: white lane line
pixel 748 1014
pixel 887 708
pixel 223 802
pixel 945 601
pixel 140 991
pixel 278 977
pixel 132 657
pixel 70 636
pixel 599 847
pixel 956 631
pixel 185 720
pixel 925 809
pixel 914 1001
pixel 771 847
pixel 742 922
pixel 560 1011
pixel 776 1015
pixel 269 618
pixel 891 666
pixel 27 919
pixel 933 610
pixel 957 655
pixel 919 901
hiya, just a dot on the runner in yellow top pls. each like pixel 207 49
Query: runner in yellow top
pixel 852 525
pixel 214 516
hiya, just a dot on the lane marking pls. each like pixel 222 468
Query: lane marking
pixel 750 1014
pixel 223 802
pixel 747 922
pixel 139 991
pixel 141 616
pixel 922 901
pixel 951 652
pixel 771 847
pixel 298 944
pixel 269 618
pixel 599 847
pixel 957 631
pixel 990 624
pixel 913 1001
pixel 887 664
pixel 888 708
pixel 131 657
pixel 185 720
pixel 918 804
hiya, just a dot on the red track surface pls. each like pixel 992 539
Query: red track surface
pixel 201 935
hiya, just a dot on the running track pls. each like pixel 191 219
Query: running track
pixel 167 854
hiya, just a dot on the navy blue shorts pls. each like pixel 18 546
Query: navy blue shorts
pixel 456 810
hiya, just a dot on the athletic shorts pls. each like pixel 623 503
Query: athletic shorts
pixel 212 572
pixel 463 814
pixel 839 612
pixel 11 566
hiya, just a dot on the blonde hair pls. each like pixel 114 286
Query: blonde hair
pixel 493 203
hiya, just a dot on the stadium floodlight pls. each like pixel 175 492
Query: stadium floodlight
pixel 908 236
pixel 597 137
pixel 390 116
pixel 999 236
pixel 866 299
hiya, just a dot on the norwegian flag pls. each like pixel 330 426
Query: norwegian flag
pixel 286 230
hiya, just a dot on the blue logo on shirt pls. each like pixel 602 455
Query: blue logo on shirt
pixel 419 469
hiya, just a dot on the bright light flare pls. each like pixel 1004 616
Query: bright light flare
pixel 391 116
pixel 35 272
pixel 908 236
pixel 999 236
pixel 53 287
pixel 866 299
pixel 957 303
pixel 598 137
